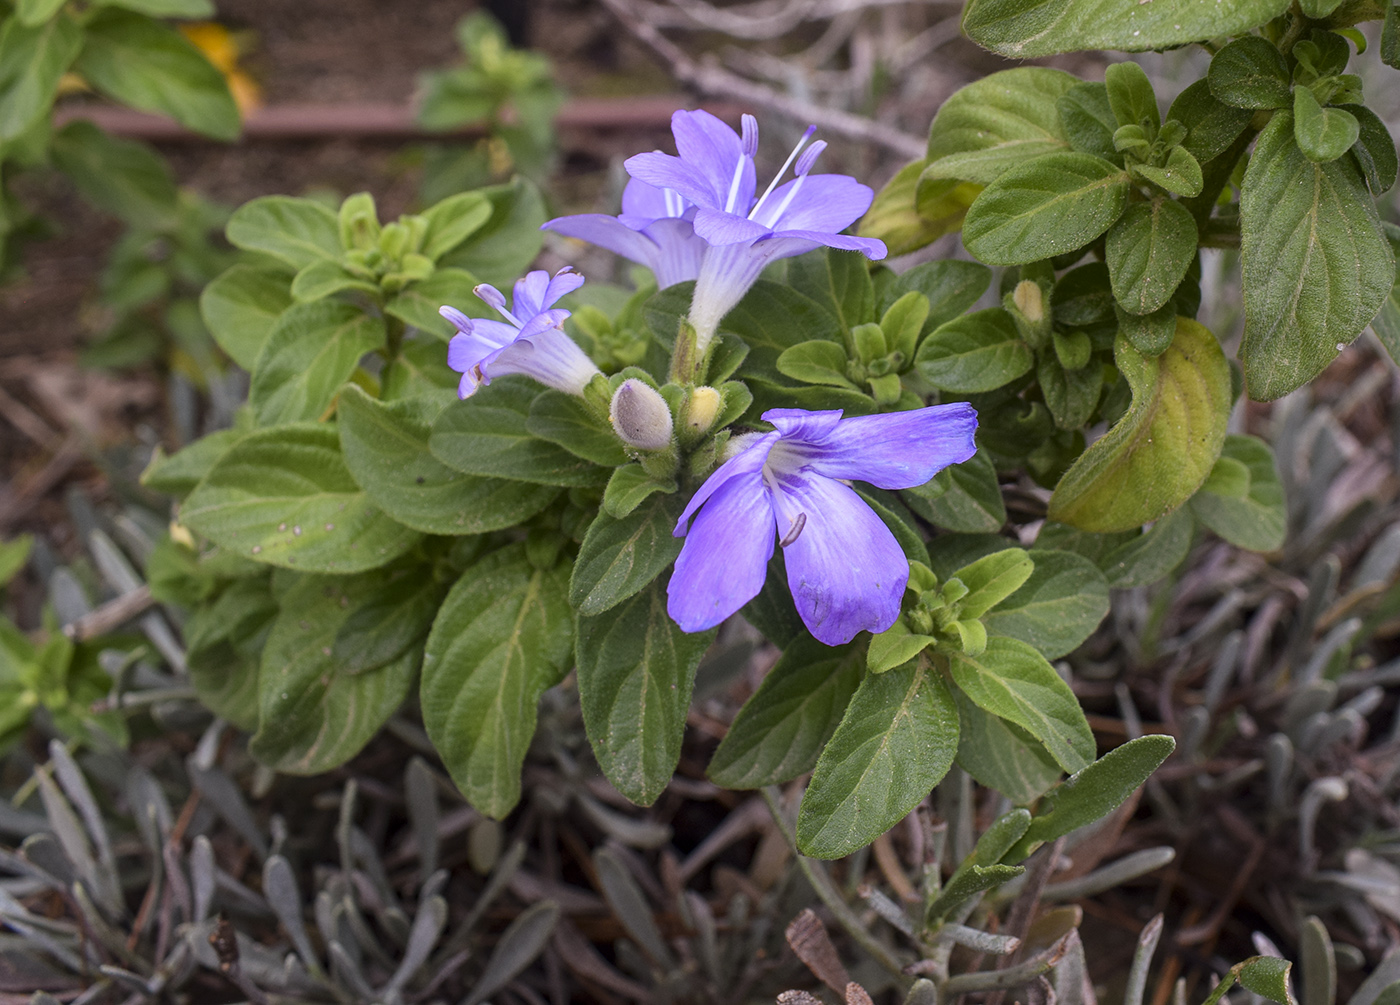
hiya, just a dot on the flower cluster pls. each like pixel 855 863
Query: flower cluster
pixel 697 216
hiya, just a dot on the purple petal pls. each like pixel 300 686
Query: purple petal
pixel 606 232
pixel 550 357
pixel 725 557
pixel 807 239
pixel 543 321
pixel 664 171
pixel 496 334
pixel 565 281
pixel 641 199
pixel 801 425
pixel 845 569
pixel 466 387
pixel 720 228
pixel 529 295
pixel 897 450
pixel 824 202
pixel 679 252
pixel 743 464
pixel 466 351
pixel 707 143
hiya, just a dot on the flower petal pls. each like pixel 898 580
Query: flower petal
pixel 749 462
pixel 543 321
pixel 564 282
pixel 719 228
pixel 550 357
pixel 868 246
pixel 824 202
pixel 606 232
pixel 642 200
pixel 801 424
pixel 845 569
pixel 709 144
pixel 897 450
pixel 664 171
pixel 725 557
pixel 679 252
pixel 529 294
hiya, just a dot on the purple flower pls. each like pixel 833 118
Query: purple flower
pixel 844 567
pixel 714 170
pixel 654 229
pixel 533 343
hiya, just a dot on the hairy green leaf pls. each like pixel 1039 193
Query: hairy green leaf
pixel 975 352
pixel 1250 72
pixel 620 557
pixel 1252 515
pixel 1061 603
pixel 32 59
pixel 240 308
pixel 1148 252
pixel 1002 756
pixel 295 231
pixel 309 353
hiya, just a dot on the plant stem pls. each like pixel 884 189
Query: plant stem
pixel 828 894
pixel 394 342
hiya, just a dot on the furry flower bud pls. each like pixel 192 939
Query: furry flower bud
pixel 640 416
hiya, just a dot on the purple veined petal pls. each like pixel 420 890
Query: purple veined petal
pixel 642 200
pixel 550 357
pixel 564 282
pixel 803 425
pixel 846 571
pixel 665 171
pixel 725 557
pixel 897 450
pixel 607 232
pixel 679 252
pixel 467 351
pixel 750 462
pixel 868 246
pixel 719 228
pixel 543 321
pixel 824 202
pixel 726 273
pixel 710 145
pixel 467 386
pixel 456 319
pixel 529 294
pixel 496 334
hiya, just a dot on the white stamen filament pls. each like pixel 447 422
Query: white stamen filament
pixel 787 200
pixel 753 213
pixel 734 183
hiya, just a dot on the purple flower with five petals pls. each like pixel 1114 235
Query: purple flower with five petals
pixel 654 229
pixel 714 170
pixel 845 569
pixel 533 343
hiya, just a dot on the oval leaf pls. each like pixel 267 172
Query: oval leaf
pixel 1255 518
pixel 976 352
pixel 619 557
pixel 309 353
pixel 240 308
pixel 1148 252
pixel 996 123
pixel 295 231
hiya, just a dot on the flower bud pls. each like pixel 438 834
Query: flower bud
pixel 1029 300
pixel 640 416
pixel 702 409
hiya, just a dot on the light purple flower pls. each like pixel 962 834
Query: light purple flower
pixel 654 229
pixel 533 343
pixel 844 567
pixel 714 170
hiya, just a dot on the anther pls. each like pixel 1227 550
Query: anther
pixel 795 531
pixel 753 213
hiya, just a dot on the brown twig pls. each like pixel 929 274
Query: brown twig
pixel 722 83
pixel 112 614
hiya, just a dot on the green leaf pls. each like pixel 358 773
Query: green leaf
pixel 636 669
pixel 1374 150
pixel 1390 35
pixel 1268 976
pixel 309 353
pixel 486 435
pixel 564 419
pixel 1211 125
pixel 13 556
pixel 1386 324
pixel 1128 559
pixel 386 450
pixel 999 838
pixel 313 716
pixel 452 221
pixel 1323 134
pixel 178 474
pixel 1316 263
pixel 394 616
pixel 1250 72
pixel 418 304
pixel 1002 756
pixel 127 179
pixel 629 487
pixel 149 66
pixel 324 278
pixel 1181 175
pixel 964 497
pixel 1083 296
pixel 898 518
pixel 501 249
pixel 896 218
pixel 1164 446
pixel 951 287
pixel 894 647
pixel 1060 605
pixel 975 352
pixel 193 10
pixel 32 13
pixel 815 362
pixel 503 637
pixel 1131 97
pixel 240 308
pixel 31 62
pixel 997 122
pixel 1070 395
pixel 1148 252
pixel 992 578
pixel 1012 680
pixel 1045 207
pixel 781 730
pixel 620 557
pixel 284 496
pixel 1020 29
pixel 1254 516
pixel 420 369
pixel 1095 791
pixel 773 612
pixel 895 742
pixel 295 231
pixel 225 642
pixel 839 281
pixel 1150 334
pixel 1088 120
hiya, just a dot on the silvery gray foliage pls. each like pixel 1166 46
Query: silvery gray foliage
pixel 147 909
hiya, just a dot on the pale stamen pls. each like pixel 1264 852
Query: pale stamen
pixel 804 166
pixel 753 213
pixel 492 297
